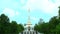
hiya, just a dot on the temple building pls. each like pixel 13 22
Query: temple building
pixel 29 28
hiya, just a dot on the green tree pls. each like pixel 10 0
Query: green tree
pixel 59 12
pixel 4 24
pixel 14 27
pixel 7 27
pixel 58 29
pixel 20 27
pixel 36 27
pixel 52 24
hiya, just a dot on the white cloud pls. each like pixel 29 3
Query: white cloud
pixel 45 5
pixel 17 13
pixel 10 12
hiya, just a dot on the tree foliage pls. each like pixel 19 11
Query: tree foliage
pixel 52 27
pixel 7 27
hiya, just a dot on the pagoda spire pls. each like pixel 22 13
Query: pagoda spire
pixel 29 22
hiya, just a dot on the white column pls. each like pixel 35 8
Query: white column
pixel 29 32
pixel 32 32
pixel 26 32
pixel 23 32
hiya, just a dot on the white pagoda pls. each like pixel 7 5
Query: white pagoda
pixel 29 28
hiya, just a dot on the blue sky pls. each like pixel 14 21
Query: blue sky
pixel 17 10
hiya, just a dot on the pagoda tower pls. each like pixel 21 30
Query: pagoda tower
pixel 29 24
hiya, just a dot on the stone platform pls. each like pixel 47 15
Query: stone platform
pixel 30 32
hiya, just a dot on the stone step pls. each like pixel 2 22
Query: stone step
pixel 30 32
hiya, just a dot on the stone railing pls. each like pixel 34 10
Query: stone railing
pixel 30 32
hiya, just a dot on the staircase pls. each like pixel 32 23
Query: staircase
pixel 30 32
